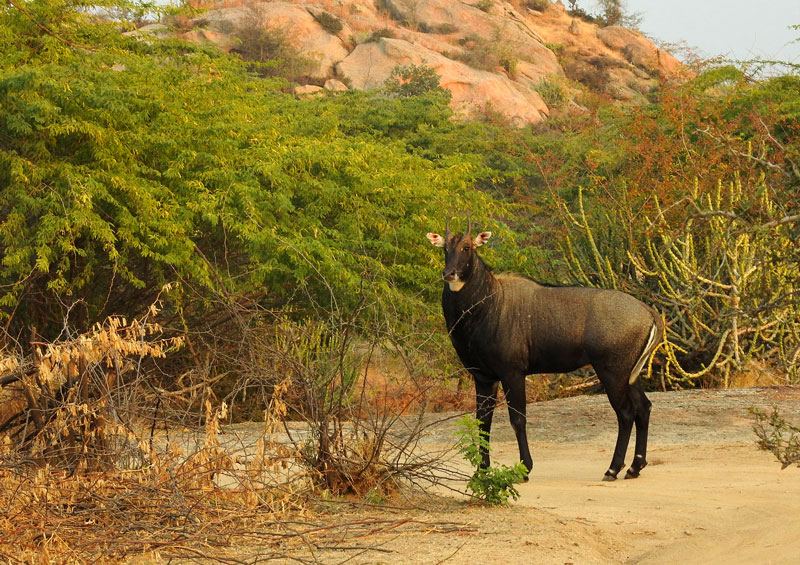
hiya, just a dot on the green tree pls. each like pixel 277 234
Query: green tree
pixel 615 12
pixel 414 80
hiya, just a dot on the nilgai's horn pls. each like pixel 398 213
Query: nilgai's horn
pixel 447 227
pixel 469 227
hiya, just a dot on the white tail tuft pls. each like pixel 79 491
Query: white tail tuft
pixel 648 349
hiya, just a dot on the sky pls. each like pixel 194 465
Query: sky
pixel 732 29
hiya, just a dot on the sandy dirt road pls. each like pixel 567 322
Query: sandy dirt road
pixel 708 496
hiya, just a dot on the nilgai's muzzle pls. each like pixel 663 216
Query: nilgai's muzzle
pixel 450 275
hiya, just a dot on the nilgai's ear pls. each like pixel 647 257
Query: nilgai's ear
pixel 482 238
pixel 436 239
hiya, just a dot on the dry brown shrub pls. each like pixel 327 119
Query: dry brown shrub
pixel 68 404
pixel 94 468
pixel 85 476
pixel 173 507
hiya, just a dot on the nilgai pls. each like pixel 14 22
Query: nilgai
pixel 506 326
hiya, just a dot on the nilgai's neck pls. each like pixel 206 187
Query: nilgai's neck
pixel 479 290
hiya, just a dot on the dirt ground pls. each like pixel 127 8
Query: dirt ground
pixel 708 495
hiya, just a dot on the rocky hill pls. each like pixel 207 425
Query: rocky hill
pixel 503 56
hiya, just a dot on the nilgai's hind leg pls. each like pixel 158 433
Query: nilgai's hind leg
pixel 514 388
pixel 641 405
pixel 485 401
pixel 617 390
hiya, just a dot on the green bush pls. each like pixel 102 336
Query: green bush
pixel 388 7
pixel 508 58
pixel 414 80
pixel 574 10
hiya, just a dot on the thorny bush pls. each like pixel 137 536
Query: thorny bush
pixel 777 436
pixel 720 268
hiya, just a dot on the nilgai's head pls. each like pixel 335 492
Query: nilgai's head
pixel 459 254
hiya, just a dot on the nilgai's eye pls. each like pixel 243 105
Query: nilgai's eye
pixel 466 248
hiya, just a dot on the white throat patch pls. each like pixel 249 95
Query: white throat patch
pixel 456 285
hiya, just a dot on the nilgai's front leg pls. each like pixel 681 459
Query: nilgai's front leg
pixel 514 388
pixel 485 401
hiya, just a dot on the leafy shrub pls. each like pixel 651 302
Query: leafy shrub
pixel 556 48
pixel 507 58
pixel 611 12
pixel 700 224
pixel 592 73
pixel 614 12
pixel 495 484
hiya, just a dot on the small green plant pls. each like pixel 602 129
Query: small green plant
pixel 380 33
pixel 574 10
pixel 508 60
pixel 553 92
pixel 615 12
pixel 556 48
pixel 388 8
pixel 487 54
pixel 539 5
pixel 484 5
pixel 495 484
pixel 329 22
pixel 445 28
pixel 777 436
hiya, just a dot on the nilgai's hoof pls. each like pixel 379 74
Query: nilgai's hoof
pixel 636 468
pixel 609 476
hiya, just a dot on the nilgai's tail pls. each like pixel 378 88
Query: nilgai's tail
pixel 653 339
